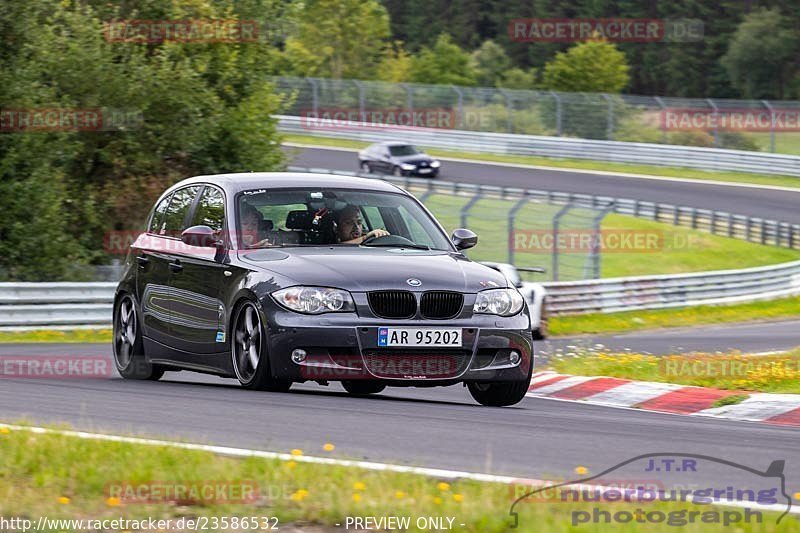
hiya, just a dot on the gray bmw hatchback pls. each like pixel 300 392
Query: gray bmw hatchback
pixel 280 278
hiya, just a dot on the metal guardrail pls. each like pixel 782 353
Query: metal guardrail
pixel 752 229
pixel 556 147
pixel 56 304
pixel 45 302
pixel 676 290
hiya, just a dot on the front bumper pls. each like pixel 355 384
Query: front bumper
pixel 343 346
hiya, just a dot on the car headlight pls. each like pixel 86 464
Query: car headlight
pixel 408 166
pixel 503 302
pixel 314 300
pixel 436 164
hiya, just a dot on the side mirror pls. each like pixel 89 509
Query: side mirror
pixel 464 238
pixel 201 236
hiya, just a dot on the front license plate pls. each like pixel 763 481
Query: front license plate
pixel 429 337
pixel 424 170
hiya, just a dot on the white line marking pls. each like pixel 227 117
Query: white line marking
pixel 585 171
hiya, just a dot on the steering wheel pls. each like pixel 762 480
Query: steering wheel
pixel 397 240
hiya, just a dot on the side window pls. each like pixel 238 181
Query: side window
pixel 210 209
pixel 157 222
pixel 178 207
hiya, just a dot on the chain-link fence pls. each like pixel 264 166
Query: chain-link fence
pixel 562 238
pixel 757 125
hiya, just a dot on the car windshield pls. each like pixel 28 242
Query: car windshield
pixel 404 149
pixel 324 217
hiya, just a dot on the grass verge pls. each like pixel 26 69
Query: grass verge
pixel 784 308
pixel 53 336
pixel 731 371
pixel 65 477
pixel 578 164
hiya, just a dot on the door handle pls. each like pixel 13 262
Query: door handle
pixel 143 260
pixel 176 266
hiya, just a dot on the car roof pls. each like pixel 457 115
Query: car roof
pixel 233 183
pixel 392 143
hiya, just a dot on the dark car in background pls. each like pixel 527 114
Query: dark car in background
pixel 264 278
pixel 399 159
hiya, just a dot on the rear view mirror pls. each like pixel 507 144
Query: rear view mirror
pixel 464 238
pixel 201 236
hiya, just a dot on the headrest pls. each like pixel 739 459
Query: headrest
pixel 299 220
pixel 265 225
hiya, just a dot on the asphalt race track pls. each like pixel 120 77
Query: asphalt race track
pixel 439 427
pixel 774 204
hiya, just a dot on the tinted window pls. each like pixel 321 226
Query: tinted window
pixel 176 212
pixel 157 222
pixel 401 150
pixel 210 209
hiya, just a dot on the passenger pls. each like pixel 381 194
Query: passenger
pixel 350 230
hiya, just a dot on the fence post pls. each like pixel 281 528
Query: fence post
pixel 558 112
pixel 512 218
pixel 361 107
pixel 409 97
pixel 314 96
pixel 509 110
pixel 556 221
pixel 716 121
pixel 609 118
pixel 459 108
pixel 663 119
pixel 595 256
pixel 468 206
pixel 772 125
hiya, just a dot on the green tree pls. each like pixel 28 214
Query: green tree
pixel 517 78
pixel 490 63
pixel 339 38
pixel 445 63
pixel 395 65
pixel 592 66
pixel 762 56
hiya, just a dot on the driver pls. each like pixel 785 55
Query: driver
pixel 349 226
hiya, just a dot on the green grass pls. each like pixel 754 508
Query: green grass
pixel 731 371
pixel 678 250
pixel 733 399
pixel 45 335
pixel 784 308
pixel 65 477
pixel 579 164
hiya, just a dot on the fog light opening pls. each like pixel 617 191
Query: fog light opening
pixel 514 357
pixel 298 355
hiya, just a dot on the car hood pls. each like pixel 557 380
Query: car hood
pixel 361 269
pixel 413 158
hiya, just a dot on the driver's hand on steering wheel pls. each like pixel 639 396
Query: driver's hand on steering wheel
pixel 374 234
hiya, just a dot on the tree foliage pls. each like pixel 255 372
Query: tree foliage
pixel 593 66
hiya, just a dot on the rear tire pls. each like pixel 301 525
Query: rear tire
pixel 499 394
pixel 129 356
pixel 397 171
pixel 249 352
pixel 363 388
pixel 365 167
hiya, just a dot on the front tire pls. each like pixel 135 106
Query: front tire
pixel 501 394
pixel 128 346
pixel 365 167
pixel 249 352
pixel 363 388
pixel 397 171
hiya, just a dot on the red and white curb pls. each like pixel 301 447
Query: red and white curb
pixel 778 409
